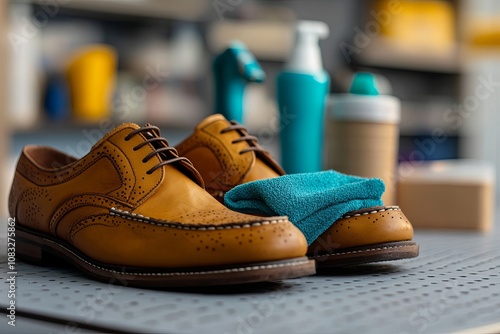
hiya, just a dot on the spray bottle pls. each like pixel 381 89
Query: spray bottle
pixel 302 88
pixel 233 69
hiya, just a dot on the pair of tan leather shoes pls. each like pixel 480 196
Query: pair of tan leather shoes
pixel 134 210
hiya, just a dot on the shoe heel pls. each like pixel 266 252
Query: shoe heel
pixel 29 249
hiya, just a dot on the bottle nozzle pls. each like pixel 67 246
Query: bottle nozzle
pixel 306 55
pixel 314 28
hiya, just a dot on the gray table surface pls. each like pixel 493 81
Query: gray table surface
pixel 452 286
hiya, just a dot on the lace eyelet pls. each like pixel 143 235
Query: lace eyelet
pixel 135 149
pixel 144 161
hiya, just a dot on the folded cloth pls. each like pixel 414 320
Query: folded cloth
pixel 312 201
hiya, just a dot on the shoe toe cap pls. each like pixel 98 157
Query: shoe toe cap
pixel 366 227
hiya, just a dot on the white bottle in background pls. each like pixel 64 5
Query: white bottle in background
pixel 23 74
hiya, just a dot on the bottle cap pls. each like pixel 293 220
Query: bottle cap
pixel 363 103
pixel 364 83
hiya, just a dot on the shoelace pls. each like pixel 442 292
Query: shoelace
pixel 153 135
pixel 252 140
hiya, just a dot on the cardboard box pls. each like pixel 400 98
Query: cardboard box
pixel 454 194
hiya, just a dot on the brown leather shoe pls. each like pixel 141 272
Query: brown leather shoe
pixel 226 156
pixel 135 211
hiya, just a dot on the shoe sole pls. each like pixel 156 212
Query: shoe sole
pixel 367 254
pixel 40 249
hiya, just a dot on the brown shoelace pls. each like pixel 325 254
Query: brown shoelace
pixel 251 140
pixel 168 154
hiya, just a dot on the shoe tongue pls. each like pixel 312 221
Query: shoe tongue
pixel 120 127
pixel 211 119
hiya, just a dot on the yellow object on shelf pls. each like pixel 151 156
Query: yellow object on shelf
pixel 92 79
pixel 480 26
pixel 484 31
pixel 417 24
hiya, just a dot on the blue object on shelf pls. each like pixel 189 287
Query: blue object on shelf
pixel 56 99
pixel 233 69
pixel 416 148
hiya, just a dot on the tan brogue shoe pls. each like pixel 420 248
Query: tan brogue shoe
pixel 133 210
pixel 226 156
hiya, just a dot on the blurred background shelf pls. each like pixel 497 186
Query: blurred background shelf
pixel 384 54
pixel 192 10
pixel 430 54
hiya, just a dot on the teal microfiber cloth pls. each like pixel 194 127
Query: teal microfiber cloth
pixel 312 201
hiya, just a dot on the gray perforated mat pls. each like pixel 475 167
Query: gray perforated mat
pixel 453 285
